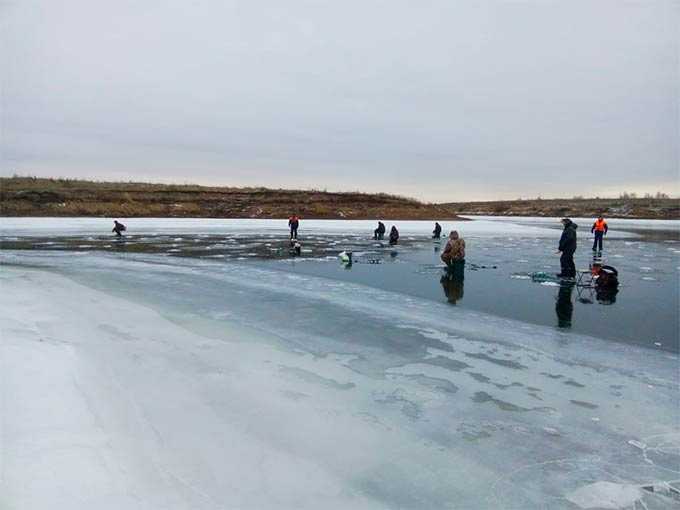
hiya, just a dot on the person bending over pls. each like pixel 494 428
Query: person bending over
pixel 118 228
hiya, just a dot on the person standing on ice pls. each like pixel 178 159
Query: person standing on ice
pixel 293 223
pixel 567 247
pixel 600 229
pixel 437 232
pixel 454 251
pixel 394 235
pixel 118 228
pixel 379 232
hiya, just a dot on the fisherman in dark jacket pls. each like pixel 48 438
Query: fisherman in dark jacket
pixel 394 235
pixel 437 232
pixel 379 232
pixel 567 247
pixel 118 228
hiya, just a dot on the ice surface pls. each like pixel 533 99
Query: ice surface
pixel 585 223
pixel 606 495
pixel 148 382
pixel 89 226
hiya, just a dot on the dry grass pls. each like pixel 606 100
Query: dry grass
pixel 30 196
pixel 642 208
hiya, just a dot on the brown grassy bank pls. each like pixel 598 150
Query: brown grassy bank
pixel 28 196
pixel 634 208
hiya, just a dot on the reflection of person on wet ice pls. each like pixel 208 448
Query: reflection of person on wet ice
pixel 453 283
pixel 118 228
pixel 564 308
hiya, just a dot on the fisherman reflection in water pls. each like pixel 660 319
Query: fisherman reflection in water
pixel 564 308
pixel 453 283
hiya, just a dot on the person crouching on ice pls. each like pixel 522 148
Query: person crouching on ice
pixel 454 252
pixel 118 228
pixel 394 235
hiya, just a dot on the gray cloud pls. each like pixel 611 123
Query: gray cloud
pixel 442 100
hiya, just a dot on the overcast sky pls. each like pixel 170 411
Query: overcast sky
pixel 442 100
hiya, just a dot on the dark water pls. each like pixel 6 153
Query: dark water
pixel 644 311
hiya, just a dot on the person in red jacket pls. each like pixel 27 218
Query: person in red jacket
pixel 600 229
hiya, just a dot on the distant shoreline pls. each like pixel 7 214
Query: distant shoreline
pixel 27 196
pixel 42 197
pixel 620 208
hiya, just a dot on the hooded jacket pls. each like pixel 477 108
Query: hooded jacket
pixel 454 249
pixel 568 239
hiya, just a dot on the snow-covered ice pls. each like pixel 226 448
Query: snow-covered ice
pixel 141 381
pixel 584 223
pixel 89 226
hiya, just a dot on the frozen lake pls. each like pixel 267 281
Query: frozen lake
pixel 197 364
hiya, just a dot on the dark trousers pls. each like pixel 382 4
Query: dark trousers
pixel 567 263
pixel 378 234
pixel 599 235
pixel 293 232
